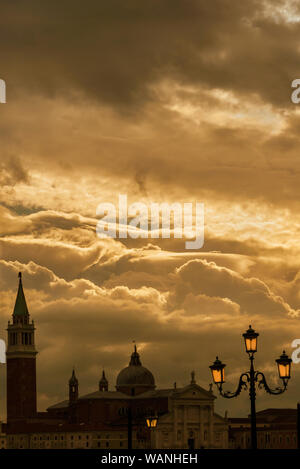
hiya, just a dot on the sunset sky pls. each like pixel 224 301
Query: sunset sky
pixel 165 101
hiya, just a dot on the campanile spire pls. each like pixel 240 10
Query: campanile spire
pixel 21 361
pixel 20 308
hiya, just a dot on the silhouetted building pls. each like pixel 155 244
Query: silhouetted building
pixel 2 435
pixel 276 429
pixel 100 419
pixel 21 362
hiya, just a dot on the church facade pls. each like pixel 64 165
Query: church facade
pixel 105 418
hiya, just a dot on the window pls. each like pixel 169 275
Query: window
pixel 13 338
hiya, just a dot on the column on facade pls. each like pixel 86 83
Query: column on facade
pixel 156 438
pixel 175 428
pixel 210 426
pixel 201 427
pixel 184 426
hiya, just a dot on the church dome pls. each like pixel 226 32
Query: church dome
pixel 135 378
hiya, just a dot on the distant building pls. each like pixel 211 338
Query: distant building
pixel 100 419
pixel 2 435
pixel 276 429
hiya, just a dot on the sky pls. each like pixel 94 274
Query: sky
pixel 164 101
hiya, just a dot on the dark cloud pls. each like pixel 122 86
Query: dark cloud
pixel 12 172
pixel 165 101
pixel 114 50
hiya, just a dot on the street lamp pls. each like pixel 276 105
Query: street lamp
pixel 252 378
pixel 250 337
pixel 151 421
pixel 218 371
pixel 284 367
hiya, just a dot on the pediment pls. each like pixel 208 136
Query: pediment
pixel 193 391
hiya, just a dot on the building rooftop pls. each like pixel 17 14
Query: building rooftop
pixel 152 393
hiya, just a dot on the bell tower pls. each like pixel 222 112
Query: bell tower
pixel 73 397
pixel 103 383
pixel 21 362
pixel 73 388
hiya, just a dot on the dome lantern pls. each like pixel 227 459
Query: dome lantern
pixel 135 378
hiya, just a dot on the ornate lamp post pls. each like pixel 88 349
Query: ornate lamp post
pixel 251 378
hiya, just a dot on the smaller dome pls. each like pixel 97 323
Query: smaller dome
pixel 135 378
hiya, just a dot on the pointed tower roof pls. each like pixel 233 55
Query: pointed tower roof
pixel 103 383
pixel 103 379
pixel 135 358
pixel 20 308
pixel 73 381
